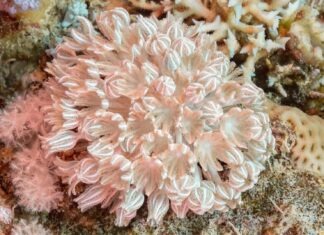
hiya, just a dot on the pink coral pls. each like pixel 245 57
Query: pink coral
pixel 34 183
pixel 163 113
pixel 23 118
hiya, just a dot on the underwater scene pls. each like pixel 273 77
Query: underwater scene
pixel 185 117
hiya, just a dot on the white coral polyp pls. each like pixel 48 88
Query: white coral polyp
pixel 163 115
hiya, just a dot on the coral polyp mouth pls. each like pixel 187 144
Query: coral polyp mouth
pixel 164 113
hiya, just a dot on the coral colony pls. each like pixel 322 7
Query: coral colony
pixel 142 109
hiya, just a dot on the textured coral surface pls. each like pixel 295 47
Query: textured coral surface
pixel 308 151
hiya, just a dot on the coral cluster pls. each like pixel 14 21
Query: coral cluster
pixel 157 111
pixel 248 27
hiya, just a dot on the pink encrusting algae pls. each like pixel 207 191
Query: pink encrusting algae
pixel 163 114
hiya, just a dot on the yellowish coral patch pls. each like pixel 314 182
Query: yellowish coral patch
pixel 308 152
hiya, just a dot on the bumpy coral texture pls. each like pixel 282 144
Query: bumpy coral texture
pixel 35 185
pixel 29 228
pixel 163 114
pixel 307 153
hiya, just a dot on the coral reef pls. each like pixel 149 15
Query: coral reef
pixel 151 116
pixel 285 198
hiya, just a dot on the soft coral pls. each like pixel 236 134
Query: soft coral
pixel 34 183
pixel 23 118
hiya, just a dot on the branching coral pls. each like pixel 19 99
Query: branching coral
pixel 34 183
pixel 308 36
pixel 162 113
pixel 240 26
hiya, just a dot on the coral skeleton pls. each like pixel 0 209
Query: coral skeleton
pixel 249 27
pixel 162 113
